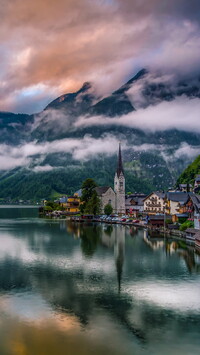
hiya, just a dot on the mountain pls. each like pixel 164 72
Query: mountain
pixel 56 152
pixel 75 103
pixel 14 128
pixel 189 174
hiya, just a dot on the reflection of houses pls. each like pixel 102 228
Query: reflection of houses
pixel 154 203
pixel 152 243
pixel 134 204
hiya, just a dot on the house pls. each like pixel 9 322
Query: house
pixel 73 204
pixel 134 204
pixel 185 187
pixel 195 210
pixel 197 181
pixel 63 201
pixel 107 196
pixel 155 203
pixel 158 220
pixel 176 204
pixel 197 185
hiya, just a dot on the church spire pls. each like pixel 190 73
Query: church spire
pixel 119 163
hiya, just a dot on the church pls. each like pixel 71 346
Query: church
pixel 116 197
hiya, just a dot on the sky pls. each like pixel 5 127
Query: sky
pixel 48 47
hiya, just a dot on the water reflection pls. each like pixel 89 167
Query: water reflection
pixel 189 254
pixel 69 288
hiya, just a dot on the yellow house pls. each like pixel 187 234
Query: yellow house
pixel 73 204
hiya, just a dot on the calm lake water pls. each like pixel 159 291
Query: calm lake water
pixel 94 289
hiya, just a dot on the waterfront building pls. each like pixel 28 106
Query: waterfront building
pixel 195 210
pixel 116 197
pixel 119 186
pixel 73 204
pixel 155 203
pixel 176 205
pixel 134 204
pixel 107 196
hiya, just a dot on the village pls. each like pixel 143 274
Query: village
pixel 176 211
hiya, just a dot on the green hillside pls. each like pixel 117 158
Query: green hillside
pixel 189 174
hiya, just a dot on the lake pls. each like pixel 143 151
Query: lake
pixel 94 289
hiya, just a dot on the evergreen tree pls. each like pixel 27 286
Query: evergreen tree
pixel 93 205
pixel 108 209
pixel 90 201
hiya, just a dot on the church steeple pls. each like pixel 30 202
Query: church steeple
pixel 119 186
pixel 119 163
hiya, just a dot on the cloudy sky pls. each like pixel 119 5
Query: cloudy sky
pixel 50 47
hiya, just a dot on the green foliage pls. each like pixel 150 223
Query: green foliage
pixel 48 209
pixel 189 174
pixel 186 224
pixel 90 201
pixel 108 209
pixel 52 206
pixel 93 205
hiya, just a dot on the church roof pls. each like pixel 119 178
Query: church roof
pixel 101 190
pixel 119 163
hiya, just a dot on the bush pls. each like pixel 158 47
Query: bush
pixel 108 209
pixel 185 225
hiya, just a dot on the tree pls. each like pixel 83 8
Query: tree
pixel 108 209
pixel 90 201
pixel 93 205
pixel 87 189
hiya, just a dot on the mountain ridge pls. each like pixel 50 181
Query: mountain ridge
pixel 47 171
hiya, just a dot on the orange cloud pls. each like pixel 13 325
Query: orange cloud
pixel 65 42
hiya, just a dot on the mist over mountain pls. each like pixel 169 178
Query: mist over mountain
pixel 154 115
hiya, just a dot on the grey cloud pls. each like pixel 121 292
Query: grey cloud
pixel 181 113
pixel 81 149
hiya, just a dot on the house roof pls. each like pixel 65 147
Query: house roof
pixel 157 193
pixel 101 190
pixel 196 201
pixel 178 196
pixel 159 217
pixel 182 215
pixel 79 192
pixel 139 200
pixel 185 185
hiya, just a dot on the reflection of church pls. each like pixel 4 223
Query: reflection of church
pixel 114 237
pixel 116 197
